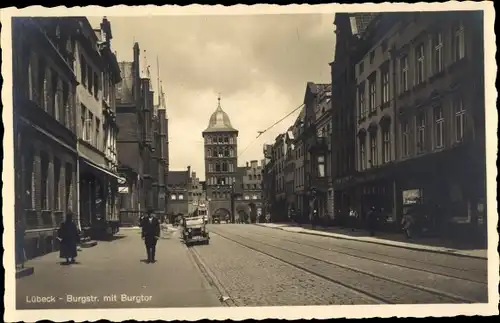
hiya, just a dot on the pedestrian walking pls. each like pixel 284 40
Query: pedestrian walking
pixel 69 238
pixel 150 234
pixel 353 218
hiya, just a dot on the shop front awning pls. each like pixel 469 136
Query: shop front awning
pixel 99 168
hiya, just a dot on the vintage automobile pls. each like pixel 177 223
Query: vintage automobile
pixel 195 231
pixel 216 219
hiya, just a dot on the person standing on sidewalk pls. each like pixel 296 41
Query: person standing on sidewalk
pixel 69 238
pixel 353 218
pixel 372 218
pixel 150 235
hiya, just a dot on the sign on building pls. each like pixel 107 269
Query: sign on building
pixel 123 189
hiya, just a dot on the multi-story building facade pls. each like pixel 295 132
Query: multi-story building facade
pixel 142 144
pixel 268 178
pixel 323 124
pixel 419 131
pixel 315 151
pixel 178 187
pixel 299 176
pixel 97 74
pixel 349 28
pixel 45 154
pixel 279 209
pixel 221 160
pixel 440 118
pixel 250 203
pixel 375 132
pixel 290 169
pixel 196 193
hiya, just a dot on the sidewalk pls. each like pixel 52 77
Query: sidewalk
pixel 116 268
pixel 384 238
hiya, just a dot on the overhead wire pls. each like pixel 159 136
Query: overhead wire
pixel 269 128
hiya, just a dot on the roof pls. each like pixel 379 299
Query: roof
pixel 178 178
pixel 219 121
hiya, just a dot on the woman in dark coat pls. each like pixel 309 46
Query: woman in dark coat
pixel 69 237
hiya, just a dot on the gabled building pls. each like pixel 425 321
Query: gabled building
pixel 316 150
pixel 249 204
pixel 178 187
pixel 97 74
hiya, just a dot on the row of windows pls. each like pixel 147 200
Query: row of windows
pixel 372 159
pixel 51 92
pixel 220 152
pixel 438 128
pixel 91 127
pixel 420 133
pixel 221 180
pixel 299 177
pixel 434 62
pixel 53 190
pixel 425 64
pixel 220 140
pixel 256 177
pixel 219 167
pixel 95 81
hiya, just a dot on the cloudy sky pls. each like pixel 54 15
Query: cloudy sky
pixel 259 63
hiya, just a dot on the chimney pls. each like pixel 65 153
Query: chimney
pixel 189 170
pixel 247 164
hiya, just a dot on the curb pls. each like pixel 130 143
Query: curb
pixel 381 243
pixel 212 279
pixel 23 272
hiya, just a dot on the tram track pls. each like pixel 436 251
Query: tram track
pixel 372 285
pixel 355 253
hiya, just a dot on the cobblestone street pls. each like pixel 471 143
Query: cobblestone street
pixel 258 266
pixel 250 265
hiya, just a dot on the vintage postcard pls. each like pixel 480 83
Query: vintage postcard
pixel 249 162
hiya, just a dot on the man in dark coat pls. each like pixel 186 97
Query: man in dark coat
pixel 151 234
pixel 69 237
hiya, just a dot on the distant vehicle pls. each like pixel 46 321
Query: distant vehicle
pixel 195 230
pixel 216 219
pixel 202 211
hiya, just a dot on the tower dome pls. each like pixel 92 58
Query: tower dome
pixel 219 121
